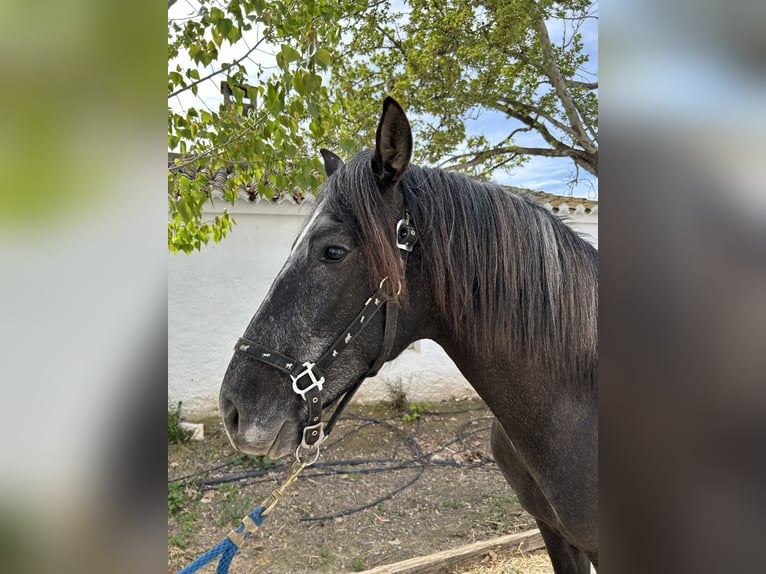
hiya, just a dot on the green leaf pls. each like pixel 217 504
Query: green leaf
pixel 194 52
pixel 312 82
pixel 290 54
pixel 323 57
pixel 298 84
pixel 184 210
pixel 225 26
pixel 216 14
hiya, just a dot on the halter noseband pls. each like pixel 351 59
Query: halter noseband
pixel 315 431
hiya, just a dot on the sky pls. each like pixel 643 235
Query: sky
pixel 553 175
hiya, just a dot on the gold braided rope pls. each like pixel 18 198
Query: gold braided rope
pixel 247 524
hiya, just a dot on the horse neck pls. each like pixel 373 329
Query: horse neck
pixel 497 379
pixel 519 392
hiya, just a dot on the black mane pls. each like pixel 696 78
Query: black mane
pixel 508 275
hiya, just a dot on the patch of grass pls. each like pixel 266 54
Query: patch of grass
pixel 179 498
pixel 233 506
pixel 450 503
pixel 355 476
pixel 187 529
pixel 416 410
pixel 176 435
pixel 397 397
pixel 324 555
pixel 498 511
pixel 503 501
pixel 358 564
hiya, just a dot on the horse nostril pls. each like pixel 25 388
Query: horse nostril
pixel 230 416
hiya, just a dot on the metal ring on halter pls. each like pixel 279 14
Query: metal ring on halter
pixel 298 455
pixel 382 281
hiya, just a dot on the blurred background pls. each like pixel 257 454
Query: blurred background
pixel 83 216
pixel 683 301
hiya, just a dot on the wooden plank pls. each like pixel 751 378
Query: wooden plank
pixel 448 560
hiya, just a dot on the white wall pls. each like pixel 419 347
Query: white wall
pixel 586 225
pixel 213 294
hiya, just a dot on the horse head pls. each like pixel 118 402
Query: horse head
pixel 330 317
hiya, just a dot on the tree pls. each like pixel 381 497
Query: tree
pixel 449 60
pixel 277 110
pixel 329 65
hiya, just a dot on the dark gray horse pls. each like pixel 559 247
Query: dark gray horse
pixel 502 285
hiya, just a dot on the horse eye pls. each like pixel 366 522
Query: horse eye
pixel 334 253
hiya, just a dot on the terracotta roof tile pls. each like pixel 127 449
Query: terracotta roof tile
pixel 559 204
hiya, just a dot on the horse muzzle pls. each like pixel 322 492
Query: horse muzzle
pixel 248 434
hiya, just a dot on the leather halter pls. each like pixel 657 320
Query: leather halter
pixel 308 378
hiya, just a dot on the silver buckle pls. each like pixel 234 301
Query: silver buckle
pixel 409 235
pixel 314 381
pixel 312 430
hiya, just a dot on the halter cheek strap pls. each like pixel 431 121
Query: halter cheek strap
pixel 308 378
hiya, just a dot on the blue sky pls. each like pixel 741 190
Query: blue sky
pixel 554 175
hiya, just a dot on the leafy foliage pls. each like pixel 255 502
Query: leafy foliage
pixel 176 497
pixel 278 106
pixel 176 434
pixel 451 60
pixel 358 564
pixel 416 411
pixel 299 75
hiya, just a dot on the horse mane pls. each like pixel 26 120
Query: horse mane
pixel 508 275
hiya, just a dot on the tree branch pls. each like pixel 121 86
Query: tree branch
pixel 209 151
pixel 482 156
pixel 583 158
pixel 216 72
pixel 587 161
pixel 397 44
pixel 559 84
pixel 539 127
pixel 586 85
pixel 531 110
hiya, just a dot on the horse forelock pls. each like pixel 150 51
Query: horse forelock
pixel 352 196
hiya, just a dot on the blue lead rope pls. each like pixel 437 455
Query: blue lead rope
pixel 226 548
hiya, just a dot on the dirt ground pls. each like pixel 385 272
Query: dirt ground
pixel 389 485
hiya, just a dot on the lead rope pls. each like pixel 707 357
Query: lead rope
pixel 229 546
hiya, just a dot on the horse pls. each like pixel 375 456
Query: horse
pixel 505 287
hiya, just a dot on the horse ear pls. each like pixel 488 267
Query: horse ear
pixel 332 162
pixel 393 144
